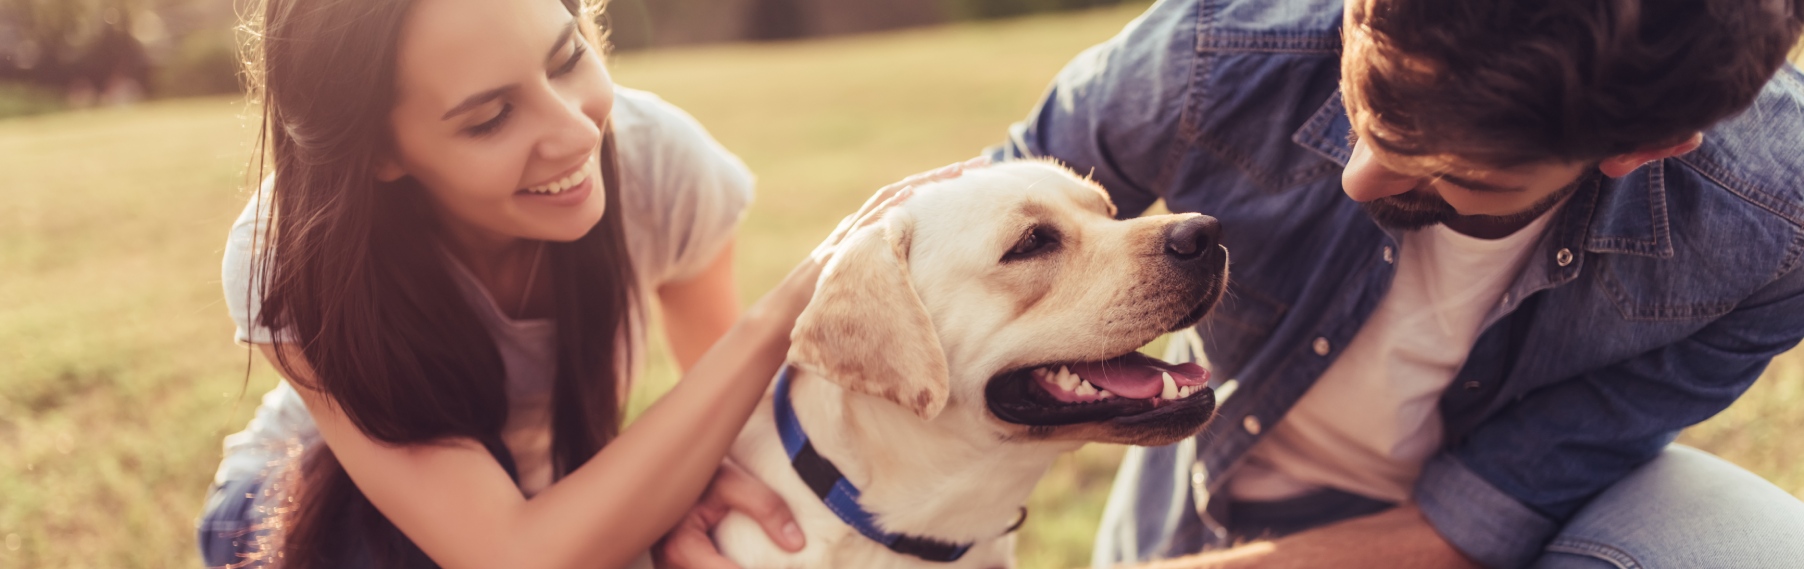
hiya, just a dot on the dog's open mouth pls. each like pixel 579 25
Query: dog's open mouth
pixel 1082 392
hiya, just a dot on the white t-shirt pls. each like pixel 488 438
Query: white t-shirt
pixel 683 196
pixel 1373 418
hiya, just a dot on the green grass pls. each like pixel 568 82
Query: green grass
pixel 20 99
pixel 118 376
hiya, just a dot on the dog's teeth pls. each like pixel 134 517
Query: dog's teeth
pixel 1084 388
pixel 1039 373
pixel 1171 387
pixel 1185 391
pixel 1067 380
pixel 1103 394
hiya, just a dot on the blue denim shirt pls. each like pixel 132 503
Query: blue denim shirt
pixel 1651 302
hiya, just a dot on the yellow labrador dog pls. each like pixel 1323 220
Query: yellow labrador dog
pixel 954 349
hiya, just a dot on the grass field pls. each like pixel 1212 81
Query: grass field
pixel 118 376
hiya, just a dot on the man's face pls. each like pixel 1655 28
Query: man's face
pixel 1411 192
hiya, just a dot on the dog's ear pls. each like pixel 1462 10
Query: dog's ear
pixel 866 329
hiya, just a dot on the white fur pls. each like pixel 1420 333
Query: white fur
pixel 957 473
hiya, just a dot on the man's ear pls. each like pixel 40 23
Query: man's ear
pixel 1620 165
pixel 866 329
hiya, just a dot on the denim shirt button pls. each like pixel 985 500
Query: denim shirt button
pixel 1563 257
pixel 1322 346
pixel 1506 300
pixel 1251 424
pixel 1389 254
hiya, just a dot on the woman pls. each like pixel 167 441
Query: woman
pixel 468 222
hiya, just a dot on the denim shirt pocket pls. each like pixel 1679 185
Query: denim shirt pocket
pixel 1264 69
pixel 1639 270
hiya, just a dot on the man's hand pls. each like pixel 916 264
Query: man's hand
pixel 688 546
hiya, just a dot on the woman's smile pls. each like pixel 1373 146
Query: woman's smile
pixel 567 190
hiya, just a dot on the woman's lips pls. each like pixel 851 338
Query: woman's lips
pixel 572 196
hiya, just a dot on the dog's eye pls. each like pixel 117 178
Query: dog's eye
pixel 1036 241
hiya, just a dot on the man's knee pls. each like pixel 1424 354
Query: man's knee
pixel 1684 509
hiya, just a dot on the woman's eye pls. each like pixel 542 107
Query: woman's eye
pixel 1034 241
pixel 576 56
pixel 491 125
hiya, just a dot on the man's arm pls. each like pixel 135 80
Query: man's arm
pixel 1399 538
pixel 1503 491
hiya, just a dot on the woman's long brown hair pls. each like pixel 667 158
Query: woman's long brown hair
pixel 354 273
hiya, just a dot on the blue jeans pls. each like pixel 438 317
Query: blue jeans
pixel 232 523
pixel 1687 508
pixel 236 518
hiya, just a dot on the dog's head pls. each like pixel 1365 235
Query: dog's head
pixel 1011 293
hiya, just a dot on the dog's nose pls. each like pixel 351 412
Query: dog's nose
pixel 1192 237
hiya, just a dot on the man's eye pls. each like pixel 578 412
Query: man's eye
pixel 1032 243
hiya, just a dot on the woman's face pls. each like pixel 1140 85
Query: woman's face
pixel 500 106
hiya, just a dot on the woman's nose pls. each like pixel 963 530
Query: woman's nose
pixel 571 131
pixel 1365 179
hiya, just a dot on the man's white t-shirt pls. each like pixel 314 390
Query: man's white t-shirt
pixel 682 197
pixel 1373 418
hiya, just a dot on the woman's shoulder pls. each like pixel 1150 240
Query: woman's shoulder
pixel 654 134
pixel 238 270
pixel 684 192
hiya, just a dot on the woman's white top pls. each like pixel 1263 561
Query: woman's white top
pixel 683 196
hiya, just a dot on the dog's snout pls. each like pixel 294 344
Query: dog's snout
pixel 1191 238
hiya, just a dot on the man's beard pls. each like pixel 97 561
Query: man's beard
pixel 1411 210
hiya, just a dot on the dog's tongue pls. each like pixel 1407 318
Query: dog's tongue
pixel 1139 376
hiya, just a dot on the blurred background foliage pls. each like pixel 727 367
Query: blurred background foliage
pixel 57 54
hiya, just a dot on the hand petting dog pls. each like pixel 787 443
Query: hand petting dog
pixel 688 545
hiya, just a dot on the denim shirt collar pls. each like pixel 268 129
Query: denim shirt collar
pixel 1625 216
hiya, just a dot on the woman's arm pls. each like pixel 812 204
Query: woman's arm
pixel 699 310
pixel 458 505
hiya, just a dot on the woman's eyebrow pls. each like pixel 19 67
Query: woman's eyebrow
pixel 478 99
pixel 562 38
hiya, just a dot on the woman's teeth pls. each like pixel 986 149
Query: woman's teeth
pixel 566 183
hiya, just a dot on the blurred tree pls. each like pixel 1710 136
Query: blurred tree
pixel 119 50
pixel 776 20
pixel 65 42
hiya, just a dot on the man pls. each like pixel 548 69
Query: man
pixel 1589 232
pixel 1490 256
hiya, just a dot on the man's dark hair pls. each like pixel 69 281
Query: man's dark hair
pixel 1514 81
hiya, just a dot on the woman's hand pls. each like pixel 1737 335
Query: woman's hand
pixel 688 546
pixel 887 197
pixel 798 287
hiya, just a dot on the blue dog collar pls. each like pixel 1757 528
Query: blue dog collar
pixel 838 493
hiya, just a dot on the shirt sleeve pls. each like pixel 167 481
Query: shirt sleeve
pixel 1116 110
pixel 1504 491
pixel 685 194
pixel 238 274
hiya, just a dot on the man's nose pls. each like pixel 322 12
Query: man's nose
pixel 1365 179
